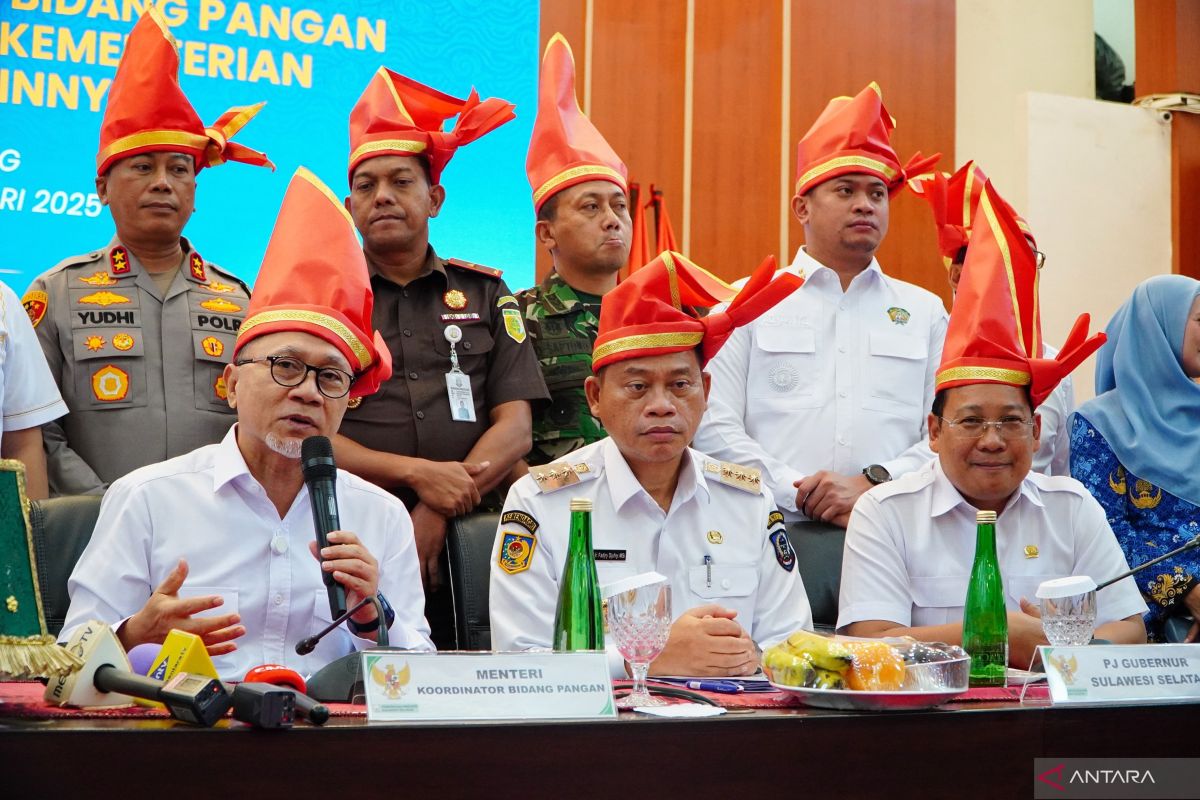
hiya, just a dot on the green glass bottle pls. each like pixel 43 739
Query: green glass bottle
pixel 985 618
pixel 579 617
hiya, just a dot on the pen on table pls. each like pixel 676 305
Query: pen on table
pixel 725 687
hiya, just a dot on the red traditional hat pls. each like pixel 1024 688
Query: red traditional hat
pixel 953 201
pixel 566 148
pixel 853 136
pixel 995 331
pixel 314 279
pixel 397 116
pixel 651 312
pixel 147 111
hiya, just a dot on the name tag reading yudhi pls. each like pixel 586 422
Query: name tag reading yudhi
pixel 437 687
pixel 1110 674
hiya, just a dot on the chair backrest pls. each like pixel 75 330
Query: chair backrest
pixel 819 559
pixel 470 545
pixel 62 527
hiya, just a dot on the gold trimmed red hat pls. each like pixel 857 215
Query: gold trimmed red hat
pixel 397 116
pixel 314 279
pixel 147 112
pixel 995 330
pixel 565 148
pixel 953 200
pixel 853 135
pixel 652 312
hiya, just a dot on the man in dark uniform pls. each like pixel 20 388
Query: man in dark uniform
pixel 579 194
pixel 453 328
pixel 137 333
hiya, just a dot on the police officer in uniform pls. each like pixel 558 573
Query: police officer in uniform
pixel 708 526
pixel 454 329
pixel 137 333
pixel 579 195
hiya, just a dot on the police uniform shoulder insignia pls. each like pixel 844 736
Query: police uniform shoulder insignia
pixel 35 304
pixel 490 272
pixel 104 298
pixel 774 518
pixel 516 551
pixel 118 261
pixel 898 316
pixel 221 305
pixel 784 553
pixel 557 474
pixel 196 264
pixel 99 278
pixel 748 479
pixel 514 324
pixel 506 299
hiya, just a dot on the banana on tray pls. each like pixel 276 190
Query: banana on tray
pixel 812 661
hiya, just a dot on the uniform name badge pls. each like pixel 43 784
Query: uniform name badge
pixel 458 384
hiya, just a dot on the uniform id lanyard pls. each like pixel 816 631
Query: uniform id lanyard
pixel 458 385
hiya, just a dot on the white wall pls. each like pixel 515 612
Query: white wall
pixel 1099 178
pixel 1114 22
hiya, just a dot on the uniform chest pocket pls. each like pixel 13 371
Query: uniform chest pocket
pixel 717 581
pixel 895 372
pixel 784 368
pixel 937 600
pixel 211 352
pixel 104 383
pixel 476 340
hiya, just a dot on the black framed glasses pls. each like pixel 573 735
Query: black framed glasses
pixel 1009 428
pixel 290 371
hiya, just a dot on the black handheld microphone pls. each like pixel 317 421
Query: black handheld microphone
pixel 1194 542
pixel 197 699
pixel 320 475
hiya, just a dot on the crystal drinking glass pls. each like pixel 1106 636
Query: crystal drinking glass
pixel 639 621
pixel 1068 610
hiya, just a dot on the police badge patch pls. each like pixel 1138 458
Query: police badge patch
pixel 898 316
pixel 784 553
pixel 516 551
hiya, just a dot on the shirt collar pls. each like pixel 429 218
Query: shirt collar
pixel 623 485
pixel 228 463
pixel 946 497
pixel 432 264
pixel 805 266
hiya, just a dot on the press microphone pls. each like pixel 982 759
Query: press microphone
pixel 106 680
pixel 320 475
pixel 1195 542
pixel 306 646
pixel 289 680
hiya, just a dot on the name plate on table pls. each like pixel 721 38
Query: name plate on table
pixel 1109 674
pixel 427 687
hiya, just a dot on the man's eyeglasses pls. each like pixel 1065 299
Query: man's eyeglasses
pixel 290 371
pixel 975 427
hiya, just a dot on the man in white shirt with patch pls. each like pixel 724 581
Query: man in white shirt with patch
pixel 910 545
pixel 657 504
pixel 827 392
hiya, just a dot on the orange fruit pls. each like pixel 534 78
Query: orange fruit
pixel 876 667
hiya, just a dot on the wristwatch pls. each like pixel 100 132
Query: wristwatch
pixel 368 627
pixel 877 474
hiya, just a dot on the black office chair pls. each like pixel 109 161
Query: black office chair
pixel 62 527
pixel 470 545
pixel 819 559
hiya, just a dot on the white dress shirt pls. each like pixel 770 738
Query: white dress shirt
pixel 205 506
pixel 30 396
pixel 1053 456
pixel 631 534
pixel 827 380
pixel 910 545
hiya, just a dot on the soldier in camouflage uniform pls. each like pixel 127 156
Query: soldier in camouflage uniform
pixel 579 193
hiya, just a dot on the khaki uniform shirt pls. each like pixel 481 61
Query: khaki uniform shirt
pixel 563 330
pixel 140 372
pixel 410 414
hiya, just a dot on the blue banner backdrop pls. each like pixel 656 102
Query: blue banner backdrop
pixel 309 61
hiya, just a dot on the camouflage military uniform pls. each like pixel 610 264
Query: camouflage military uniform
pixel 563 331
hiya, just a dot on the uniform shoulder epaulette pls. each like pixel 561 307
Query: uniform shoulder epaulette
pixel 491 272
pixel 224 273
pixel 748 479
pixel 74 261
pixel 558 474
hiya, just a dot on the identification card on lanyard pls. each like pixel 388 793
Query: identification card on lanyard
pixel 458 384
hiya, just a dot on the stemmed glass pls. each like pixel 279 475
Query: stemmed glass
pixel 639 621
